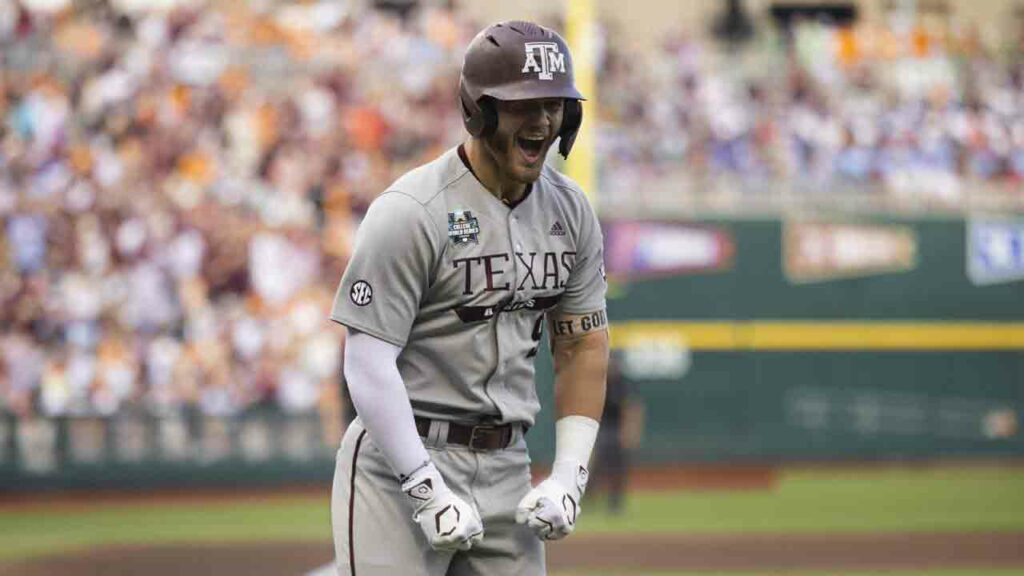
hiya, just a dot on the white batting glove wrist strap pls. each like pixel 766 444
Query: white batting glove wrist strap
pixel 572 476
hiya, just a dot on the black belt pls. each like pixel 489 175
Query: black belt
pixel 479 437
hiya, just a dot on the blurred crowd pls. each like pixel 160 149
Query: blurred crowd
pixel 179 190
pixel 903 111
pixel 179 187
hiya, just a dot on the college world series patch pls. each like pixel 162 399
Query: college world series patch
pixel 463 228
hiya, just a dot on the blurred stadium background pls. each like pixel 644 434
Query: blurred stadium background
pixel 814 220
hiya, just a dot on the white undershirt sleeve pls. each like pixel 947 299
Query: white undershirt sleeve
pixel 379 396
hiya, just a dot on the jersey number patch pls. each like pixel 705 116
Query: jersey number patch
pixel 361 293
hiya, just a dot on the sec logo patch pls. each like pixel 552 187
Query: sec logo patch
pixel 361 293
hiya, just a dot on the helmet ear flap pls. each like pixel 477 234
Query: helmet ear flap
pixel 479 117
pixel 489 113
pixel 572 119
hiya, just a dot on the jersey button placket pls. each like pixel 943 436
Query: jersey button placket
pixel 517 247
pixel 513 231
pixel 502 321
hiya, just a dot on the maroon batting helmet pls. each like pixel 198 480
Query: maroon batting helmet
pixel 518 61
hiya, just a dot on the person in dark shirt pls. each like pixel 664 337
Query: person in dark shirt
pixel 621 425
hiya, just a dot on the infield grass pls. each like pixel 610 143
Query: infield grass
pixel 872 500
pixel 25 533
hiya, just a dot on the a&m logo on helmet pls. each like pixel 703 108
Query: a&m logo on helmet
pixel 545 59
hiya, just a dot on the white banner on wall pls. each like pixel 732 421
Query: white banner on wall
pixel 995 250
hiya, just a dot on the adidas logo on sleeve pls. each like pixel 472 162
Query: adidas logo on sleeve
pixel 557 229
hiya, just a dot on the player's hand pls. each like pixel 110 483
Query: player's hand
pixel 448 521
pixel 552 508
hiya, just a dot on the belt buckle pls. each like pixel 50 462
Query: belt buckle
pixel 484 430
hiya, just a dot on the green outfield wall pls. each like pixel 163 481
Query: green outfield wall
pixel 742 340
pixel 934 287
pixel 768 358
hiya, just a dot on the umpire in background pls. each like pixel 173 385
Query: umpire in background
pixel 621 430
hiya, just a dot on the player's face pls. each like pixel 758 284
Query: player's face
pixel 526 130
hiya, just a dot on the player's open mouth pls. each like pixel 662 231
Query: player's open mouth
pixel 531 146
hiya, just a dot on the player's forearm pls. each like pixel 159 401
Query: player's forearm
pixel 581 371
pixel 382 402
pixel 581 366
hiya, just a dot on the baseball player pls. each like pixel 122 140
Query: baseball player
pixel 457 268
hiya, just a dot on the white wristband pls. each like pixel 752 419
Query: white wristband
pixel 574 439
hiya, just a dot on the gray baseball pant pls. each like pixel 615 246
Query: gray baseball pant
pixel 374 534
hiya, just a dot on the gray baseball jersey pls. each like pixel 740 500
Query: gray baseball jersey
pixel 461 281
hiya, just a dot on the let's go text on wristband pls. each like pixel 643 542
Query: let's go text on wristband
pixel 578 325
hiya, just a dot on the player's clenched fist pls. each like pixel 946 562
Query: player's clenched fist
pixel 551 509
pixel 448 521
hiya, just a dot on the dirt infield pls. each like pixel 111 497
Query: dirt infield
pixel 621 553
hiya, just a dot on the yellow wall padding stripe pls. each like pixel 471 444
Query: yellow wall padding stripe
pixel 823 335
pixel 581 34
